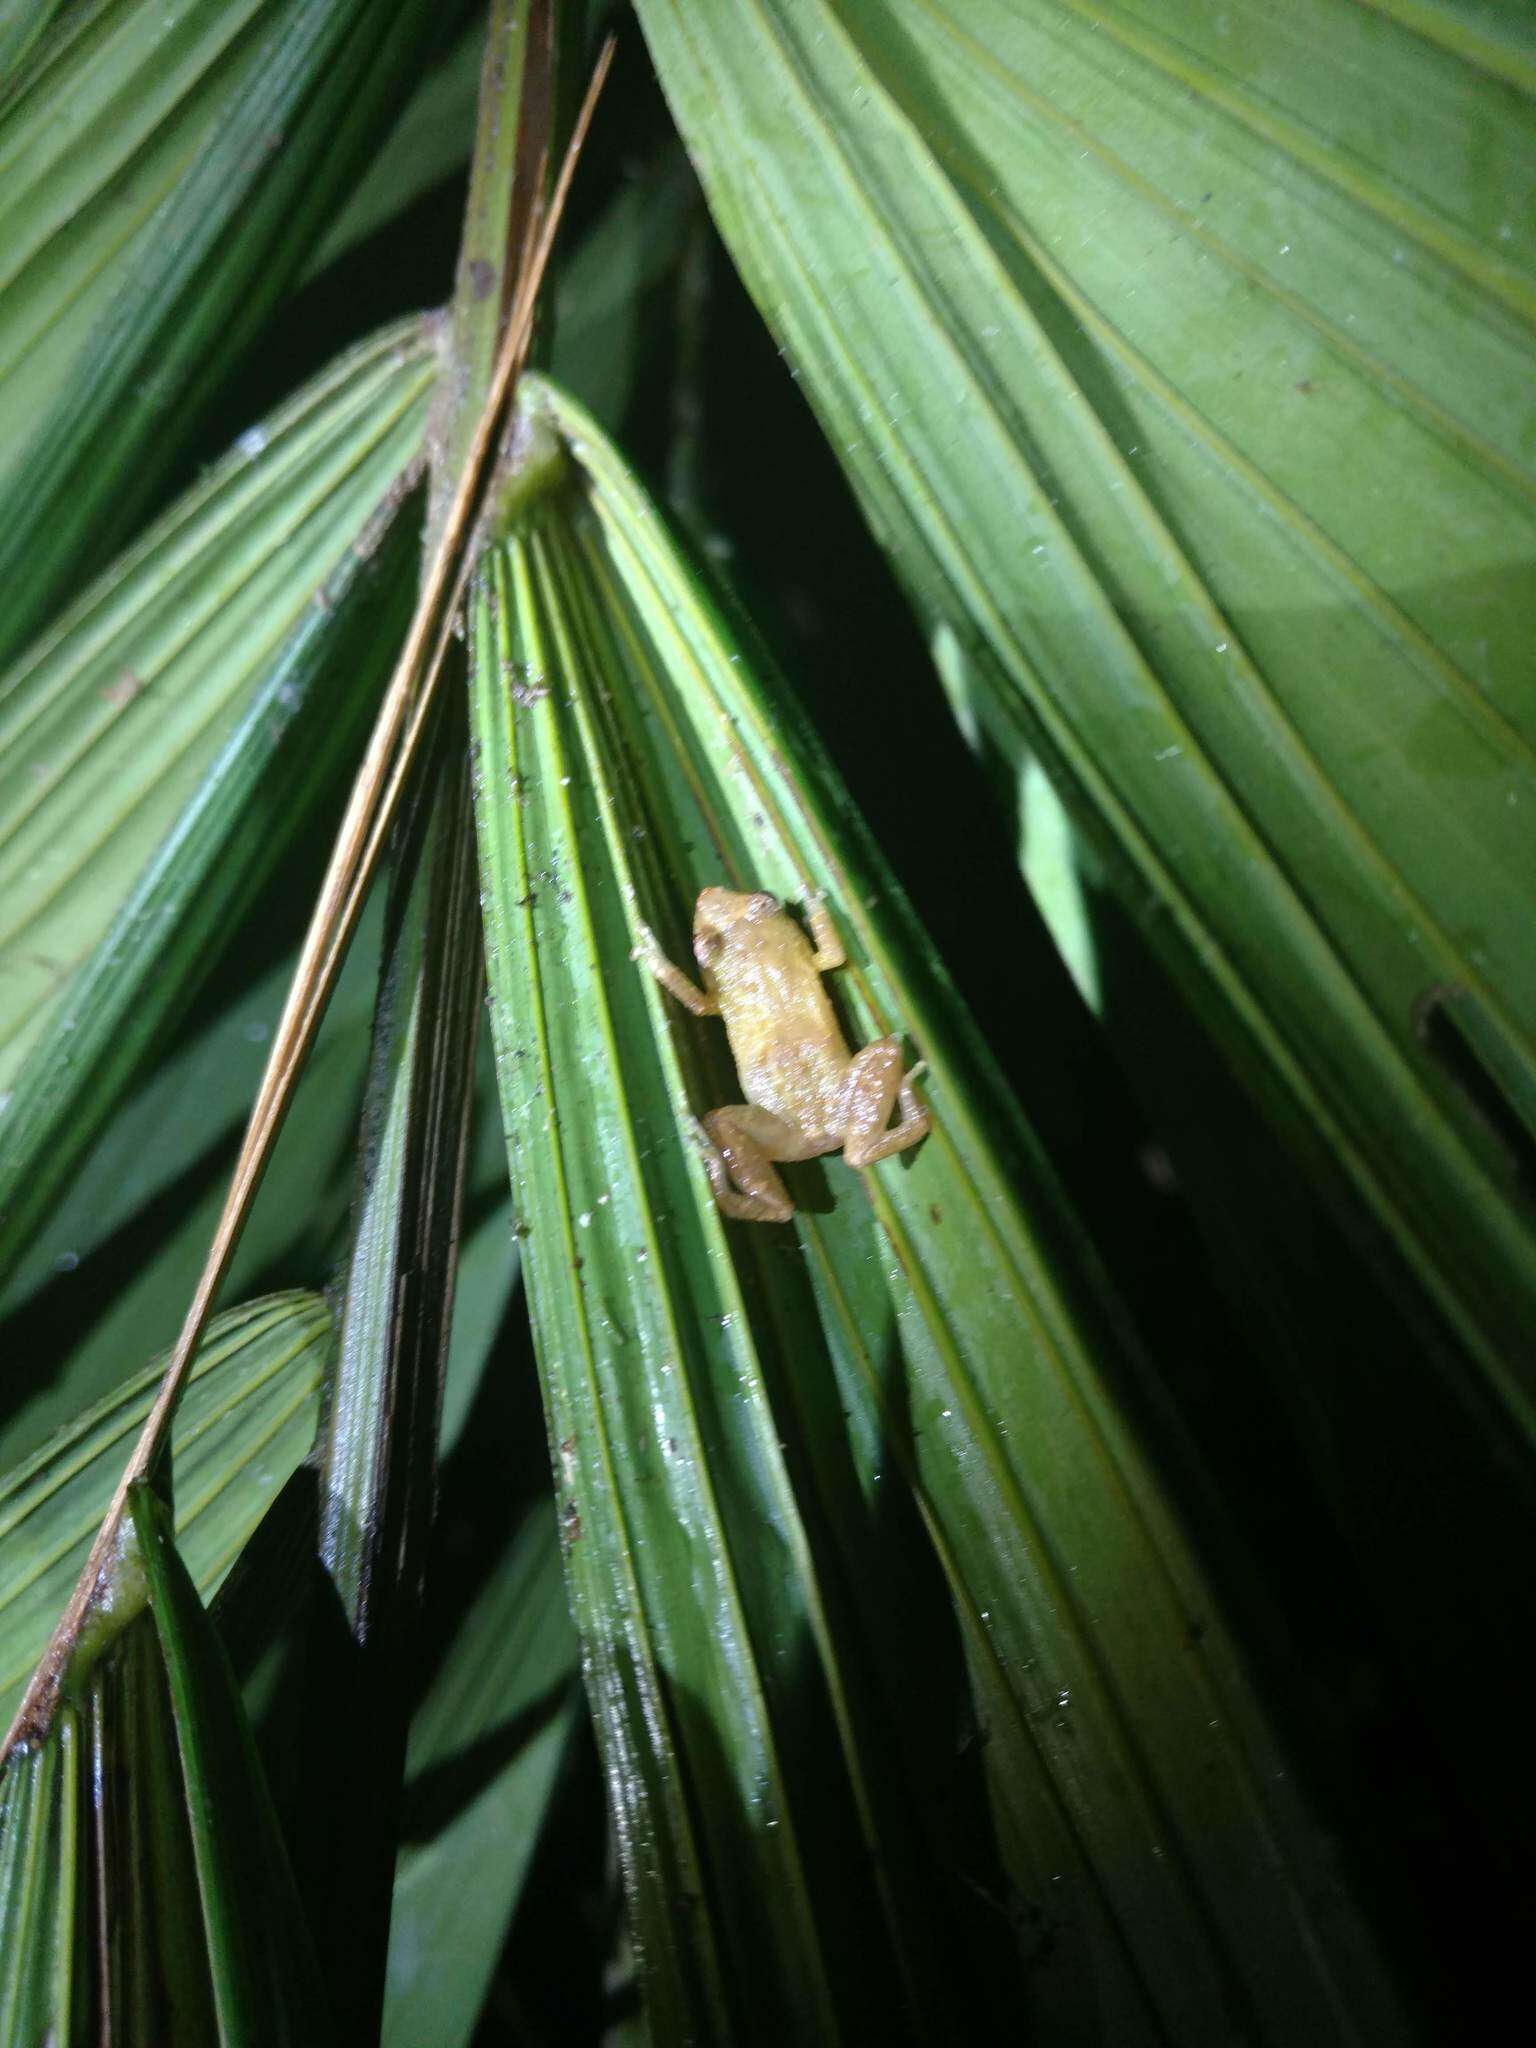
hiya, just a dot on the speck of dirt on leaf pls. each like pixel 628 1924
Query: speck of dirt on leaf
pixel 122 689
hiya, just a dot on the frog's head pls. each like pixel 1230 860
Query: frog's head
pixel 721 912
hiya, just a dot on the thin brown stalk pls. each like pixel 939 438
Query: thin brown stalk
pixel 371 810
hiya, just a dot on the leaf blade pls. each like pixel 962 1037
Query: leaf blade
pixel 165 743
pixel 509 1668
pixel 916 219
pixel 114 330
pixel 266 1984
pixel 633 749
pixel 249 1419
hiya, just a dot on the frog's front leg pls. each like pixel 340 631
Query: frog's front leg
pixel 740 1145
pixel 875 1084
pixel 830 951
pixel 673 979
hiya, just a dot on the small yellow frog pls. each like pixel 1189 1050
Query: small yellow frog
pixel 806 1093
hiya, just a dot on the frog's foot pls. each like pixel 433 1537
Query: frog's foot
pixel 829 947
pixel 737 1145
pixel 875 1085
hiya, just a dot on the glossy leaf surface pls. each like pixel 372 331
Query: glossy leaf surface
pixel 163 173
pixel 1179 355
pixel 632 749
pixel 248 1419
pixel 145 1895
pixel 169 739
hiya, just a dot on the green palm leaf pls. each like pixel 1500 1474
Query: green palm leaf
pixel 247 1421
pixel 144 1890
pixel 497 1722
pixel 715 1503
pixel 264 1983
pixel 21 23
pixel 143 1799
pixel 139 263
pixel 1180 357
pixel 170 737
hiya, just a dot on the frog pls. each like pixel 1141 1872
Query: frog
pixel 806 1093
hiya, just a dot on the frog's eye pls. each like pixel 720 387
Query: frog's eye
pixel 761 904
pixel 706 946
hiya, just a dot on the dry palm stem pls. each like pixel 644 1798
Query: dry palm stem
pixel 371 810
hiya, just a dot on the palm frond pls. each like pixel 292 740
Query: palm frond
pixel 1187 384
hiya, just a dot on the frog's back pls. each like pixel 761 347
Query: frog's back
pixel 785 1038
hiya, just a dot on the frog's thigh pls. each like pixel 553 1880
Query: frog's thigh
pixel 744 1140
pixel 874 1083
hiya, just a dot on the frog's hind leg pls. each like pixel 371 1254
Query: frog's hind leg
pixel 875 1085
pixel 739 1146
